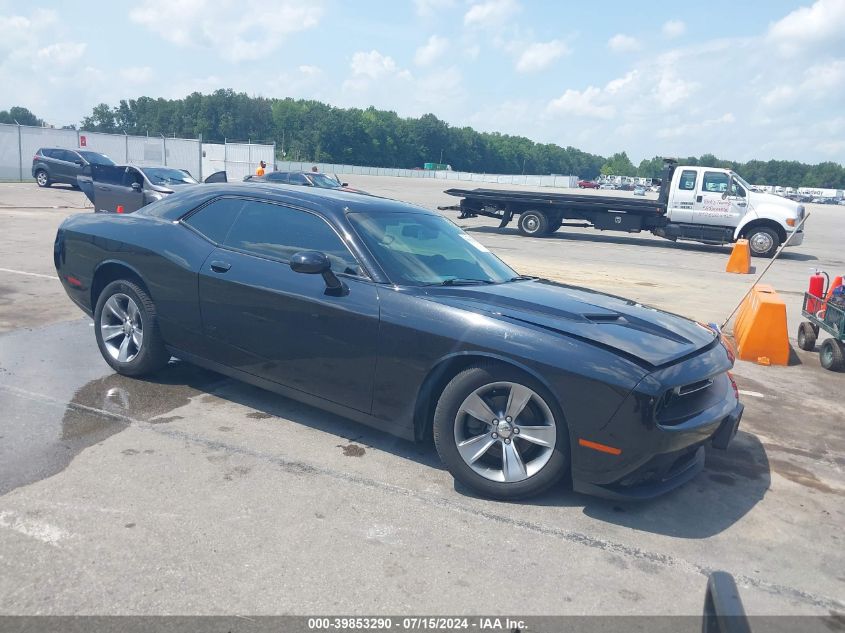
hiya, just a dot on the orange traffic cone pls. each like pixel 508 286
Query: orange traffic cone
pixel 740 260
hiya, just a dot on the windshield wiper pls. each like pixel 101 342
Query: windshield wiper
pixel 460 281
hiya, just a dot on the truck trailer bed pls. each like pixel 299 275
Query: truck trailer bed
pixel 524 200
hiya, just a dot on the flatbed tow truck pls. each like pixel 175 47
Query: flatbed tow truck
pixel 699 204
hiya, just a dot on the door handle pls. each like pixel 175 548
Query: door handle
pixel 220 267
pixel 698 198
pixel 741 204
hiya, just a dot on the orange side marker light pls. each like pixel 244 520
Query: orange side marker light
pixel 602 448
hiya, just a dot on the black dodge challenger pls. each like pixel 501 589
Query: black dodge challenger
pixel 389 314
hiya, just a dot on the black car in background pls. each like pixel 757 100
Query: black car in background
pixel 391 315
pixel 57 165
pixel 303 178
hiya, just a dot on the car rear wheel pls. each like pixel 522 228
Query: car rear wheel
pixel 500 433
pixel 763 242
pixel 42 178
pixel 806 336
pixel 832 356
pixel 126 328
pixel 533 224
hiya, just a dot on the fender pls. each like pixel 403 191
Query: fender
pixel 772 213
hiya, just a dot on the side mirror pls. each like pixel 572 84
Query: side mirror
pixel 344 184
pixel 136 186
pixel 316 263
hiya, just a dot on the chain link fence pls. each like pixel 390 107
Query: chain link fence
pixel 19 143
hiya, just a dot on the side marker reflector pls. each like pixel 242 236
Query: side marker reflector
pixel 602 448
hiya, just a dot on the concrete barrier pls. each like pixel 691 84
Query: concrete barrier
pixel 760 329
pixel 740 259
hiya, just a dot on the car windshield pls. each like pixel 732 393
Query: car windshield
pixel 165 176
pixel 321 180
pixel 420 249
pixel 96 159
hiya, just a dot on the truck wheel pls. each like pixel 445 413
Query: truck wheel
pixel 763 241
pixel 832 356
pixel 806 336
pixel 533 224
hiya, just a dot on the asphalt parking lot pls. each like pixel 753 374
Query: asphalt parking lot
pixel 190 493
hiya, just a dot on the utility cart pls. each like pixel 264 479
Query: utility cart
pixel 823 314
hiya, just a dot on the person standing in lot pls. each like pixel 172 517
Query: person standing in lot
pixel 260 170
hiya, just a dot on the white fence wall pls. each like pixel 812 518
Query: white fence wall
pixel 533 180
pixel 18 145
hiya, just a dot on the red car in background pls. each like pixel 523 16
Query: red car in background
pixel 588 184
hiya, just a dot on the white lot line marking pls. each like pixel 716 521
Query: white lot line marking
pixel 753 394
pixel 23 272
pixel 306 469
pixel 33 528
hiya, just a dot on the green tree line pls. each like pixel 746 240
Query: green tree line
pixel 313 131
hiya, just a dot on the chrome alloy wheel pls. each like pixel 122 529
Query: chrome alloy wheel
pixel 505 432
pixel 121 328
pixel 761 242
pixel 41 177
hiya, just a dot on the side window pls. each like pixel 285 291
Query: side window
pixel 277 231
pixel 715 182
pixel 298 179
pixel 48 153
pixel 215 219
pixel 63 154
pixel 687 182
pixel 277 176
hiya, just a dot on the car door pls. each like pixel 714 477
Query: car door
pixel 64 169
pixel 714 204
pixel 283 326
pixel 114 192
pixel 682 201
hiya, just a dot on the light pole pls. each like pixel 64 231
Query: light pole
pixel 440 162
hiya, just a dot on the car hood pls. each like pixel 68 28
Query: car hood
pixel 641 333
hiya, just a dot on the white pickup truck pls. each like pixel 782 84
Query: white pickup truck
pixel 699 204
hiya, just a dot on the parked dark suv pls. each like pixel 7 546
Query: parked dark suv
pixel 54 164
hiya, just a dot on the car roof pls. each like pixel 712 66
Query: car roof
pixel 332 203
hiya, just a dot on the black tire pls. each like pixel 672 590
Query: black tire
pixel 831 355
pixel 763 241
pixel 445 421
pixel 42 178
pixel 533 224
pixel 806 336
pixel 152 355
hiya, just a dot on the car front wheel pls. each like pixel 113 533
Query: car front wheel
pixel 500 433
pixel 42 178
pixel 126 327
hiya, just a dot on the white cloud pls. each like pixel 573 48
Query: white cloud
pixel 816 26
pixel 779 96
pixel 309 70
pixel 225 27
pixel 621 43
pixel 491 13
pixel 431 51
pixel 137 74
pixel 584 103
pixel 62 53
pixel 372 64
pixel 430 8
pixel 824 77
pixel 674 28
pixel 540 55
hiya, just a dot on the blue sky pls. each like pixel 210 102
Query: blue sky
pixel 739 79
